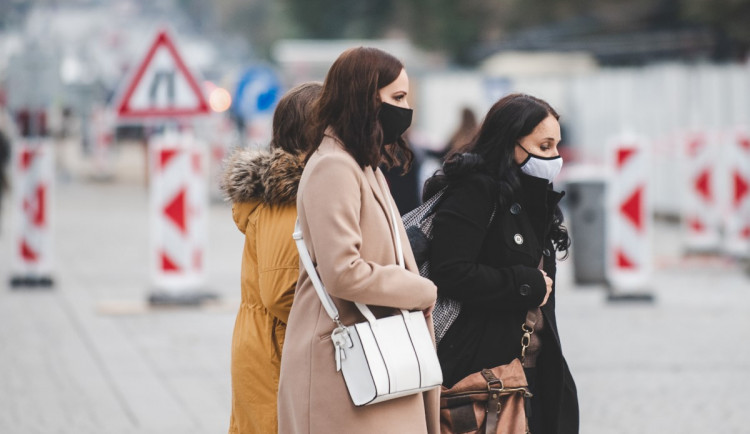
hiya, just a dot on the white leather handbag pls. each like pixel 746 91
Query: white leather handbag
pixel 381 358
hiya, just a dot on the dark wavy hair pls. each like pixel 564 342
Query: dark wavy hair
pixel 350 105
pixel 492 152
pixel 291 119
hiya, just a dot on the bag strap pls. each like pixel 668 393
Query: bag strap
pixel 323 295
pixel 530 323
pixel 304 256
pixel 494 386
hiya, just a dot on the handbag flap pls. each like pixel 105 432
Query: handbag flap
pixel 512 376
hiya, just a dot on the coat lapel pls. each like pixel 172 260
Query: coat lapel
pixel 377 184
pixel 377 190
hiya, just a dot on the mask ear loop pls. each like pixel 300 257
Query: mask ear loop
pixel 528 155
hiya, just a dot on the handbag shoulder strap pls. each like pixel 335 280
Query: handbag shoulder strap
pixel 304 256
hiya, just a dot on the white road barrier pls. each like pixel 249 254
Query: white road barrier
pixel 178 213
pixel 629 214
pixel 32 178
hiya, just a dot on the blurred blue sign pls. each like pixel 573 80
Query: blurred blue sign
pixel 258 91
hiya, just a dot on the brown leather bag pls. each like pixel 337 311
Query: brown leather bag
pixel 489 401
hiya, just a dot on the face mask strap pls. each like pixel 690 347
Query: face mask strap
pixel 529 155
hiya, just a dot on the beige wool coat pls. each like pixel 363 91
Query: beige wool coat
pixel 346 225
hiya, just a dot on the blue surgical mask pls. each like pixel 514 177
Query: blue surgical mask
pixel 541 167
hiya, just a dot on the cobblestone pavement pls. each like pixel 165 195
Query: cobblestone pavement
pixel 91 357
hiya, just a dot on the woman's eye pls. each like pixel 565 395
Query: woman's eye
pixel 399 97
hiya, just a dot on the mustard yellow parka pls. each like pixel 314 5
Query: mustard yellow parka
pixel 263 188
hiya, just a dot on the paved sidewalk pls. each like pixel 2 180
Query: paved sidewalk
pixel 90 357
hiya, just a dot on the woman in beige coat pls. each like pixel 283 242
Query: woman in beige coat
pixel 263 189
pixel 343 204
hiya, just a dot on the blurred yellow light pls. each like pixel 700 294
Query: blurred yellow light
pixel 219 99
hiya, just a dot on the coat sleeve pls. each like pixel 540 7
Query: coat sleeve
pixel 459 230
pixel 331 202
pixel 278 262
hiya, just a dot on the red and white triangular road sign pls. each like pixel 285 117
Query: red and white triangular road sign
pixel 162 85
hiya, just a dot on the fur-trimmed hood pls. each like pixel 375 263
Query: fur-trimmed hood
pixel 263 176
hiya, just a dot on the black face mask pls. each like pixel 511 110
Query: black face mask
pixel 394 121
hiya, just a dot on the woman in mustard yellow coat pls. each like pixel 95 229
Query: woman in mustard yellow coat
pixel 263 189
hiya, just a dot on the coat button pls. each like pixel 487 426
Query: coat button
pixel 546 252
pixel 524 290
pixel 515 209
pixel 518 238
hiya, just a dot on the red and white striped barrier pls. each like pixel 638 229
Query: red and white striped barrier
pixel 178 212
pixel 628 214
pixel 737 221
pixel 32 175
pixel 701 207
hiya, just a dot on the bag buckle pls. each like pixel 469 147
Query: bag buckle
pixel 492 380
pixel 525 339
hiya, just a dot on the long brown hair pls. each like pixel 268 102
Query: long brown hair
pixel 350 104
pixel 292 131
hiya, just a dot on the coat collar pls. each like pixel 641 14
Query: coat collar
pixel 261 176
pixel 539 192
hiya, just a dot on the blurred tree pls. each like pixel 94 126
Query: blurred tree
pixel 260 22
pixel 327 19
pixel 201 13
pixel 458 27
pixel 730 17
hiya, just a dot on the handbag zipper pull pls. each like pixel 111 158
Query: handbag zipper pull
pixel 338 350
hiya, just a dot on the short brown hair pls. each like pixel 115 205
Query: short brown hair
pixel 292 119
pixel 350 105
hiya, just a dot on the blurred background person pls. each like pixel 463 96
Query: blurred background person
pixel 495 237
pixel 263 189
pixel 343 204
pixel 430 161
pixel 462 136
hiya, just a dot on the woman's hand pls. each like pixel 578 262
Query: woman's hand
pixel 427 312
pixel 548 281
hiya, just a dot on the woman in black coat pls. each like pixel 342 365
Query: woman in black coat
pixel 496 235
